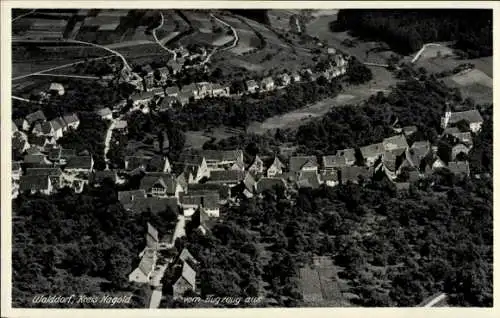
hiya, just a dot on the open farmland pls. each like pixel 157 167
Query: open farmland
pixel 200 20
pixel 280 19
pixel 474 84
pixel 442 64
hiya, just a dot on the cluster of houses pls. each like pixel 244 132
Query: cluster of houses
pixel 165 97
pixel 159 258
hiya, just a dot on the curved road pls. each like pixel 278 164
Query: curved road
pixel 125 63
pixel 417 56
pixel 235 34
pixel 174 54
pixel 23 15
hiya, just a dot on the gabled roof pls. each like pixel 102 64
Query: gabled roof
pixel 126 197
pixel 389 160
pixel 70 118
pixel 142 96
pixel 43 172
pixel 152 231
pixel 38 115
pixel 340 158
pixel 185 255
pixel 57 123
pixel 104 112
pixel 257 164
pixel 207 188
pixel 329 176
pixel 459 167
pixel 352 173
pixel 100 176
pixel 222 155
pixel 249 182
pixel 372 150
pixel 265 184
pixel 393 143
pixel 147 262
pixel 34 182
pixel 298 162
pixel 79 162
pixel 134 162
pixel 167 181
pixel 308 179
pixel 209 200
pixel 188 274
pixel 35 158
pixel 451 131
pixel 471 116
pixel 227 175
pixel 172 90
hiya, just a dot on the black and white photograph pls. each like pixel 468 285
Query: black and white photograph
pixel 249 158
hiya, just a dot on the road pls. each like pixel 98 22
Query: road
pixel 27 100
pixel 417 56
pixel 23 15
pixel 61 66
pixel 107 140
pixel 174 54
pixel 235 34
pixel 434 300
pixel 64 75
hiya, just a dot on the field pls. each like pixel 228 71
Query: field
pixel 199 20
pixel 322 283
pixel 474 84
pixel 196 139
pixel 382 81
pixel 437 65
pixel 280 19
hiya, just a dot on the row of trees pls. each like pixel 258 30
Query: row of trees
pixel 407 30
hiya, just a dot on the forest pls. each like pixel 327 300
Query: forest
pixel 405 31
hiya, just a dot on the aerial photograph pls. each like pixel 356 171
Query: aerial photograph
pixel 248 158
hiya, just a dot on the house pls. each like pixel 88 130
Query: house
pixel 219 90
pixel 60 156
pixel 174 66
pixel 190 90
pixel 186 256
pixel 126 198
pixel 284 79
pixel 153 205
pixel 97 177
pixel 56 88
pixel 184 98
pixel 269 184
pixel 160 185
pixel 195 168
pixel 151 237
pixel 105 113
pixel 186 281
pixel 220 159
pixel 20 142
pixel 459 149
pixel 240 166
pixel 371 153
pixel 226 177
pixel 206 188
pixel 330 178
pixel 462 137
pixel 142 274
pixel 409 130
pixel 396 144
pixel 344 157
pixel 142 98
pixel 248 185
pixel 172 91
pixel 80 164
pixel 36 160
pixel 167 103
pixel 204 89
pixel 295 77
pixel 51 128
pixel 121 126
pixel 354 174
pixel 201 221
pixel 209 201
pixel 257 166
pixel 55 175
pixel 154 164
pixel 36 183
pixel 388 164
pixel 415 155
pixel 303 163
pixel 459 168
pixel 276 168
pixel 308 74
pixel 71 121
pixel 433 163
pixel 35 117
pixel 267 84
pixel 21 124
pixel 308 179
pixel 472 117
pixel 17 172
pixel 252 86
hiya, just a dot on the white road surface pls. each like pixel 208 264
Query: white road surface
pixel 417 56
pixel 174 54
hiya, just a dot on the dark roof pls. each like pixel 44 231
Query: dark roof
pixel 166 180
pixel 57 123
pixel 222 155
pixel 126 197
pixel 340 158
pixel 43 172
pixel 471 116
pixel 34 182
pixel 206 188
pixel 296 163
pixel 79 162
pixel 134 162
pixel 155 205
pixel 33 117
pixel 269 184
pixel 208 200
pixel 71 118
pixel 389 160
pixel 35 158
pixel 393 143
pixel 227 176
pixel 100 176
pixel 57 153
pixel 353 173
pixel 459 167
pixel 372 150
pixel 308 179
pixel 142 96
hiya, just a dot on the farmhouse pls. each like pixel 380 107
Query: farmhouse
pixel 472 117
pixel 172 91
pixel 142 274
pixel 37 116
pixel 80 164
pixel 251 86
pixel 220 160
pixel 267 84
pixel 342 158
pixel 126 198
pixel 51 128
pixel 257 166
pixel 186 281
pixel 226 177
pixel 276 168
pixel 396 144
pixel 371 153
pixel 209 201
